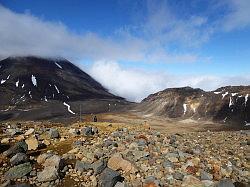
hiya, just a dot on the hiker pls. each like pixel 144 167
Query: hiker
pixel 95 119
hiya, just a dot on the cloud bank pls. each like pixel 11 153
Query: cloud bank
pixel 135 84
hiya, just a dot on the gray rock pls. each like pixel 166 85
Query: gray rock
pixel 109 178
pixel 172 139
pixel 99 166
pixel 77 143
pixel 140 154
pixel 87 131
pixel 169 155
pixel 152 180
pixel 121 184
pixel 55 161
pixel 108 143
pixel 19 147
pixel 82 166
pixel 95 130
pixel 205 176
pixel 33 173
pixel 178 176
pixel 74 131
pixel 65 169
pixel 116 134
pixel 49 173
pixel 53 133
pixel 167 164
pixel 142 142
pixel 241 184
pixel 13 132
pixel 225 183
pixel 18 171
pixel 19 158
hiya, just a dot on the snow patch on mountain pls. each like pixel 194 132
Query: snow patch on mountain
pixel 246 99
pixel 185 108
pixel 223 95
pixel 56 89
pixel 33 79
pixel 3 81
pixel 231 102
pixel 58 65
pixel 17 83
pixel 68 106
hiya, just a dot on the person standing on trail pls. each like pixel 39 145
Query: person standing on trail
pixel 95 119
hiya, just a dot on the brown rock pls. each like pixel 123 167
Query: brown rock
pixel 32 143
pixel 116 162
pixel 29 132
pixel 151 184
pixel 19 138
pixel 191 169
pixel 191 181
pixel 41 158
pixel 5 140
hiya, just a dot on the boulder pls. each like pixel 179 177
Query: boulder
pixel 13 132
pixel 19 147
pixel 167 164
pixel 82 166
pixel 87 131
pixel 99 166
pixel 41 158
pixel 32 143
pixel 49 173
pixel 178 176
pixel 109 178
pixel 121 184
pixel 29 132
pixel 74 131
pixel 19 158
pixel 19 138
pixel 191 181
pixel 225 183
pixel 116 162
pixel 54 133
pixel 206 176
pixel 5 140
pixel 18 171
pixel 55 161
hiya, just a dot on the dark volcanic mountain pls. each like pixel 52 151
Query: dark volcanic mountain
pixel 227 104
pixel 27 83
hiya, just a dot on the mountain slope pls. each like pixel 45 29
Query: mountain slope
pixel 30 82
pixel 227 104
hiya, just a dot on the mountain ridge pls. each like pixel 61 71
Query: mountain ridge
pixel 228 104
pixel 29 82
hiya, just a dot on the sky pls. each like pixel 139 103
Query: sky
pixel 136 47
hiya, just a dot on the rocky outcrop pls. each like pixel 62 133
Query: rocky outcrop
pixel 229 105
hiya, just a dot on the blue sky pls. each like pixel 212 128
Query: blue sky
pixel 158 43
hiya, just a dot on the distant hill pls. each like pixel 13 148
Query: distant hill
pixel 230 105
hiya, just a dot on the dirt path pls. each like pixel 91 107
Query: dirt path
pixel 157 123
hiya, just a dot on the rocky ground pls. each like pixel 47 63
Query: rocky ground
pixel 120 155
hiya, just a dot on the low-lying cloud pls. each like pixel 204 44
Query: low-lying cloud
pixel 135 84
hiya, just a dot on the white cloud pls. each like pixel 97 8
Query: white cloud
pixel 25 34
pixel 135 84
pixel 163 25
pixel 239 16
